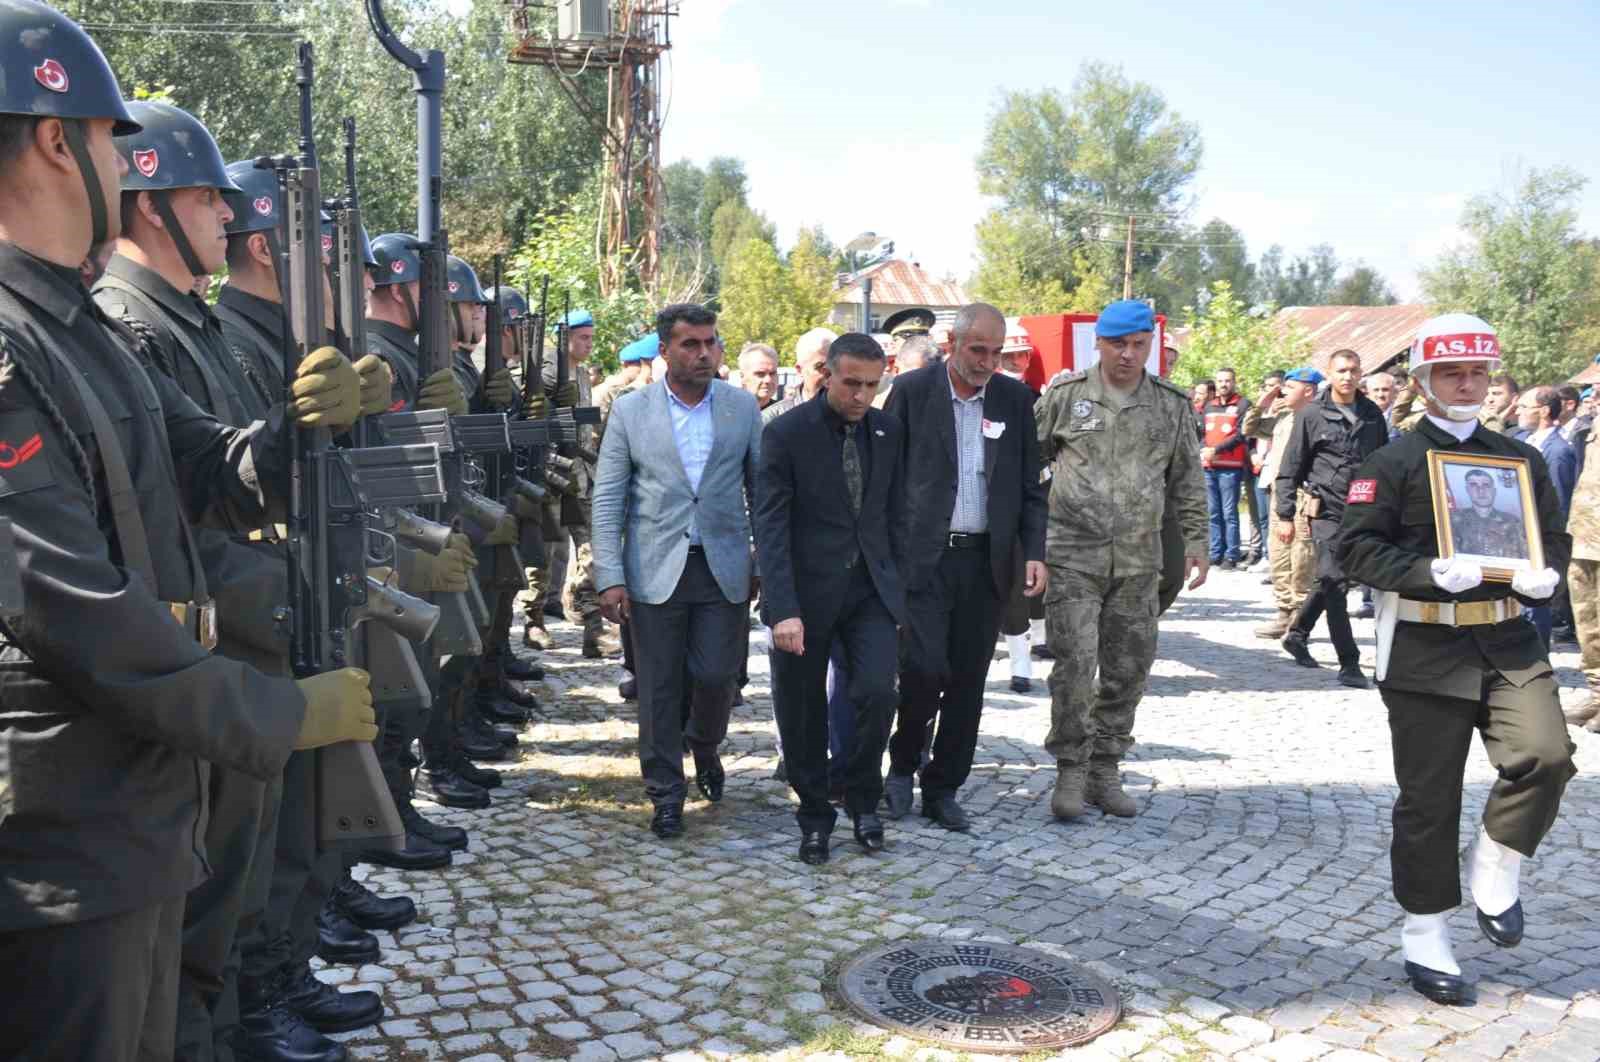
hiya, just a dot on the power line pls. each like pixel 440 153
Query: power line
pixel 188 29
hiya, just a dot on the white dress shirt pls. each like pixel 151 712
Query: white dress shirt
pixel 971 513
pixel 694 432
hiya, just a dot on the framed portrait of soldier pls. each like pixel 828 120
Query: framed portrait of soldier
pixel 1483 510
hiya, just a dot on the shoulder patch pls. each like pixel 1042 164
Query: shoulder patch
pixel 1067 376
pixel 1362 492
pixel 24 466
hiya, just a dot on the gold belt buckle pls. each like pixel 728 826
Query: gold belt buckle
pixel 1474 613
pixel 199 620
pixel 1430 611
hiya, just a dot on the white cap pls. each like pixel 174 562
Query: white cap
pixel 1454 337
pixel 1017 337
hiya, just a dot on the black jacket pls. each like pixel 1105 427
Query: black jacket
pixel 921 401
pixel 1388 543
pixel 1323 450
pixel 806 535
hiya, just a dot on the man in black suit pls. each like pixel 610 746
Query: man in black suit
pixel 829 509
pixel 973 496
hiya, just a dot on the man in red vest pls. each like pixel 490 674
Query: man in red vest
pixel 1223 453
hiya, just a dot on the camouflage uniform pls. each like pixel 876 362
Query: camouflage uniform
pixel 1583 582
pixel 1114 473
pixel 1292 565
pixel 1499 534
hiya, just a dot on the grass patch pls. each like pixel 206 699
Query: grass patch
pixel 921 892
pixel 846 1041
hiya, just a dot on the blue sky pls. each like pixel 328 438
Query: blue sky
pixel 1363 125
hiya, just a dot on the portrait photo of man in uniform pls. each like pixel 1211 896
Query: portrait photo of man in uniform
pixel 1489 518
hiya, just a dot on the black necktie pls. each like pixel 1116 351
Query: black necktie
pixel 852 469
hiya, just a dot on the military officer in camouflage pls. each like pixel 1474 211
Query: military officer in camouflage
pixel 1583 583
pixel 1483 530
pixel 1121 449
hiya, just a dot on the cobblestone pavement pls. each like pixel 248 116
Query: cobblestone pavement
pixel 1245 914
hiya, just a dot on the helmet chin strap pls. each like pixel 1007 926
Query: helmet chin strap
pixel 78 144
pixel 180 239
pixel 1459 414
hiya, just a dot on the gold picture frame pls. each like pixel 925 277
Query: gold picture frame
pixel 1474 515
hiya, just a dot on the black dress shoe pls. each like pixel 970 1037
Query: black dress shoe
pixel 869 832
pixel 667 822
pixel 1021 684
pixel 1504 929
pixel 897 795
pixel 418 854
pixel 340 940
pixel 946 812
pixel 1449 989
pixel 1350 675
pixel 709 777
pixel 522 670
pixel 445 787
pixel 450 838
pixel 814 848
pixel 518 695
pixel 482 777
pixel 628 689
pixel 276 1033
pixel 1294 643
pixel 369 910
pixel 328 1010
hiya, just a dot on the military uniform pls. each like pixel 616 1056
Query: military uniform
pixel 253 328
pixel 1583 581
pixel 1495 533
pixel 1116 467
pixel 568 515
pixel 398 348
pixel 1488 673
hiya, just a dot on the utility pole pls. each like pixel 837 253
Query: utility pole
pixel 866 305
pixel 1127 263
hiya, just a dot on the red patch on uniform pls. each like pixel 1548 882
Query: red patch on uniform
pixel 1362 491
pixel 52 75
pixel 146 162
pixel 399 404
pixel 12 456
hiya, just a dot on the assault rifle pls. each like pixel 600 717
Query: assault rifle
pixel 331 491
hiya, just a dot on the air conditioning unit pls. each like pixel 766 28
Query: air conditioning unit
pixel 583 20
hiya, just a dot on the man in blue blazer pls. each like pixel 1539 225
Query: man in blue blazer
pixel 1538 414
pixel 671 534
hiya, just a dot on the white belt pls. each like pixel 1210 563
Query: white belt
pixel 1460 613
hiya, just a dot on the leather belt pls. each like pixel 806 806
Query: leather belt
pixel 964 540
pixel 1460 613
pixel 199 620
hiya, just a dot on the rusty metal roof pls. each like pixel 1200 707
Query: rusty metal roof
pixel 898 282
pixel 1377 333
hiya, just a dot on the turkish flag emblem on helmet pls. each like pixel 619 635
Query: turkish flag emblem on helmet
pixel 146 161
pixel 397 267
pixel 52 75
pixel 454 287
pixel 327 242
pixel 263 205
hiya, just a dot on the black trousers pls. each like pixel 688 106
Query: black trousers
pixel 945 650
pixel 1328 597
pixel 865 630
pixel 106 989
pixel 1525 737
pixel 303 879
pixel 689 644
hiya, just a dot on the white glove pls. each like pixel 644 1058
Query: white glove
pixel 1456 574
pixel 1537 585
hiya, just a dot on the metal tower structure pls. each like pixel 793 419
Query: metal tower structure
pixel 626 39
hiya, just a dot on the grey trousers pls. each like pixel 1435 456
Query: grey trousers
pixel 695 641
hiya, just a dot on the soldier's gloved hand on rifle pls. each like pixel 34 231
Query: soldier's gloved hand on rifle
pixel 338 708
pixel 442 391
pixel 525 508
pixel 499 390
pixel 377 385
pixel 536 408
pixel 1538 585
pixel 445 573
pixel 566 395
pixel 327 391
pixel 1455 575
pixel 504 533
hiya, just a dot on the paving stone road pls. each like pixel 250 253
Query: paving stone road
pixel 1245 914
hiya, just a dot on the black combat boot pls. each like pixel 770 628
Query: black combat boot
pixel 328 1010
pixel 270 1030
pixel 445 787
pixel 450 838
pixel 369 910
pixel 341 941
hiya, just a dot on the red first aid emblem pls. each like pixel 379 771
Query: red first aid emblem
pixel 146 161
pixel 12 456
pixel 52 75
pixel 263 205
pixel 397 267
pixel 1362 491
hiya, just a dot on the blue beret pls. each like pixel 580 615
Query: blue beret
pixel 1305 374
pixel 1123 317
pixel 1587 392
pixel 579 319
pixel 645 348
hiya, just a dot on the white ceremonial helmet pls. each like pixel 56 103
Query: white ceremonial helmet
pixel 1017 338
pixel 1453 338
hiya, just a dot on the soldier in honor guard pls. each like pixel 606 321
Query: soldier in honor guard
pixel 1456 655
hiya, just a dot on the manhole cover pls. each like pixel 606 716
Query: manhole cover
pixel 978 997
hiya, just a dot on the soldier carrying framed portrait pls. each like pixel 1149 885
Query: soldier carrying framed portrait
pixel 1484 511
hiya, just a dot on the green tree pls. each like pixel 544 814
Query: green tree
pixel 1525 269
pixel 810 278
pixel 1229 333
pixel 735 224
pixel 756 297
pixel 1362 286
pixel 1307 280
pixel 1216 251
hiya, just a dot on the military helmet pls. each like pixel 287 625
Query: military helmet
pixel 461 282
pixel 397 259
pixel 513 303
pixel 256 198
pixel 1454 337
pixel 53 70
pixel 173 150
pixel 330 238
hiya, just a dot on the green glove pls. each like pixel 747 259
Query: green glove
pixel 377 383
pixel 338 708
pixel 442 391
pixel 499 389
pixel 504 533
pixel 326 390
pixel 536 408
pixel 566 396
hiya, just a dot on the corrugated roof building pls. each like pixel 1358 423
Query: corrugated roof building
pixel 897 284
pixel 1380 334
